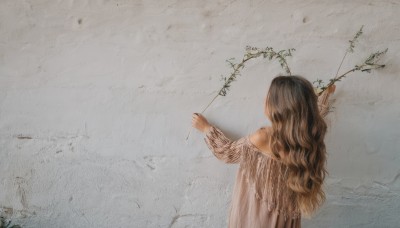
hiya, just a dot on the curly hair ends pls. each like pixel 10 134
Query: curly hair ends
pixel 297 139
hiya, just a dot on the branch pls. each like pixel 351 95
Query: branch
pixel 370 63
pixel 350 48
pixel 251 53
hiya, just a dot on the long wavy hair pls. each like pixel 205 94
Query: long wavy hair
pixel 297 138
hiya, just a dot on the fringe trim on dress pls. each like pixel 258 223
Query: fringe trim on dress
pixel 266 176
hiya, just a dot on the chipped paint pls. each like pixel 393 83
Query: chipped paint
pixel 96 100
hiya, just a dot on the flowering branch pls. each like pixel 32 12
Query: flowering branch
pixel 251 53
pixel 370 63
pixel 351 47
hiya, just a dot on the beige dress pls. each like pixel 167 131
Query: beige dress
pixel 260 197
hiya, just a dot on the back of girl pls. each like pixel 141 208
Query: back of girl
pixel 282 166
pixel 297 138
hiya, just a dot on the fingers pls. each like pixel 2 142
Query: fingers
pixel 195 118
pixel 199 122
pixel 333 88
pixel 196 115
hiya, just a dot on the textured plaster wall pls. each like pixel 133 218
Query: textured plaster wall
pixel 96 100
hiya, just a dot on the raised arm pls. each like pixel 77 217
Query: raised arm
pixel 222 147
pixel 323 101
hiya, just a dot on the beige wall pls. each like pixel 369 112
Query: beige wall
pixel 96 100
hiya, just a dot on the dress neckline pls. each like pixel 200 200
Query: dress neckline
pixel 255 148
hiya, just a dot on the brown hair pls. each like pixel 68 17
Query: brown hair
pixel 297 138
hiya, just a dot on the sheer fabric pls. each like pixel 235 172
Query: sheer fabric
pixel 260 197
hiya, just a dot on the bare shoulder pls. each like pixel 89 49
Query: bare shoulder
pixel 261 138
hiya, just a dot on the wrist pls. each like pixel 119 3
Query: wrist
pixel 207 129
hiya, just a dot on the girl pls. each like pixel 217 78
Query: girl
pixel 282 166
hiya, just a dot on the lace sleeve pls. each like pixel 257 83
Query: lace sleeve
pixel 223 148
pixel 323 103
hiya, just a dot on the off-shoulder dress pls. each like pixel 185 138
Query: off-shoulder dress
pixel 260 197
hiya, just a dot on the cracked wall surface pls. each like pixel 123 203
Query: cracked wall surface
pixel 96 99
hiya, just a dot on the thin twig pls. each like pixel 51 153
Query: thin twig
pixel 337 72
pixel 350 48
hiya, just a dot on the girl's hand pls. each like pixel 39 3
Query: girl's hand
pixel 331 89
pixel 200 122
